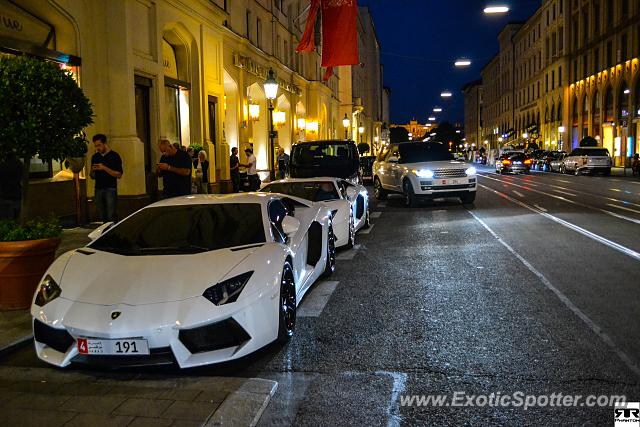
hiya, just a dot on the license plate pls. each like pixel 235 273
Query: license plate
pixel 517 163
pixel 124 347
pixel 449 181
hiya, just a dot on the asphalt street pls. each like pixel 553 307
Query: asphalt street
pixel 533 290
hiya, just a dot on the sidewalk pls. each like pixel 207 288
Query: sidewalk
pixel 15 326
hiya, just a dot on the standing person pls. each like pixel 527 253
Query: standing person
pixel 10 188
pixel 234 169
pixel 202 173
pixel 175 169
pixel 106 170
pixel 252 173
pixel 282 163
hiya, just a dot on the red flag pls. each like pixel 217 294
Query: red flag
pixel 307 43
pixel 339 33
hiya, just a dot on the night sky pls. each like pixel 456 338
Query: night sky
pixel 419 41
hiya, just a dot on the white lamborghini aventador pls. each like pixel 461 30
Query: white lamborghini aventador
pixel 191 280
pixel 350 201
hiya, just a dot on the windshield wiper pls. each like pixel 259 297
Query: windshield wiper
pixel 181 249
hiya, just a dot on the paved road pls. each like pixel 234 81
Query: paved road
pixel 532 290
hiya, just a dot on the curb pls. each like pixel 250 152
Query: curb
pixel 245 406
pixel 14 345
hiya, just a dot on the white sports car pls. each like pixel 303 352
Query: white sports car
pixel 351 201
pixel 191 280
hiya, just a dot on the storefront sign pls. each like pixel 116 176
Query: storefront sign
pixel 247 64
pixel 18 24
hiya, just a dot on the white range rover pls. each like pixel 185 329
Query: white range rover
pixel 422 170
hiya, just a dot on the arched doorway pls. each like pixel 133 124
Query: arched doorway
pixel 574 122
pixel 259 125
pixel 585 116
pixel 596 124
pixel 283 107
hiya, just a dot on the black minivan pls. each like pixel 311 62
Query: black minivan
pixel 337 158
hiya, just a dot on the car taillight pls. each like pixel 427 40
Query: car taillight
pixel 506 162
pixel 527 162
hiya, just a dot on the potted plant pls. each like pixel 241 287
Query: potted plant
pixel 42 112
pixel 77 155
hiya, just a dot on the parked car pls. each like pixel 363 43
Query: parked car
pixel 555 165
pixel 422 170
pixel 223 281
pixel 588 159
pixel 514 163
pixel 535 156
pixel 350 202
pixel 366 168
pixel 336 158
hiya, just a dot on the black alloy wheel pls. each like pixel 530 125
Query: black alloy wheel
pixel 287 306
pixel 352 230
pixel 410 199
pixel 330 265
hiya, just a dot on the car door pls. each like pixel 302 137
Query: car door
pixel 392 176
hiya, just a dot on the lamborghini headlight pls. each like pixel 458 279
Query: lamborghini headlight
pixel 423 173
pixel 227 291
pixel 471 171
pixel 47 291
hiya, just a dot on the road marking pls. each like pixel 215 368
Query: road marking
pixel 399 384
pixel 616 189
pixel 566 301
pixel 349 254
pixel 565 192
pixel 314 302
pixel 366 230
pixel 593 236
pixel 541 208
pixel 517 193
pixel 375 214
pixel 623 208
pixel 564 199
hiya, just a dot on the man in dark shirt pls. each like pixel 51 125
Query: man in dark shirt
pixel 175 169
pixel 234 168
pixel 10 188
pixel 106 169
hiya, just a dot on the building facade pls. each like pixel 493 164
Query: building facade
pixel 576 75
pixel 473 104
pixel 191 72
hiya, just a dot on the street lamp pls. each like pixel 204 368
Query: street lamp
pixel 525 135
pixel 561 130
pixel 437 110
pixel 432 119
pixel 462 63
pixel 346 122
pixel 271 91
pixel 446 94
pixel 361 132
pixel 489 10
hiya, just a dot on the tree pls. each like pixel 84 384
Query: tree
pixel 42 112
pixel 398 134
pixel 363 148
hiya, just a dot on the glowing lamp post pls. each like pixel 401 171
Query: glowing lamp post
pixel 271 91
pixel 346 123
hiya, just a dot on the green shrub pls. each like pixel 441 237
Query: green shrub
pixel 12 231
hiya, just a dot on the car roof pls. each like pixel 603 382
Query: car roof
pixel 200 199
pixel 312 179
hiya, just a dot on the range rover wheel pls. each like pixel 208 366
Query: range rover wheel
pixel 410 199
pixel 379 192
pixel 287 306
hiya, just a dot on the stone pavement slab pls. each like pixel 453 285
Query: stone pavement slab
pixel 145 399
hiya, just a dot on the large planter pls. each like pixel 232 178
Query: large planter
pixel 22 265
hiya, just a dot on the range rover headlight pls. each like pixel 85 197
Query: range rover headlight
pixel 471 171
pixel 228 290
pixel 47 291
pixel 423 173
